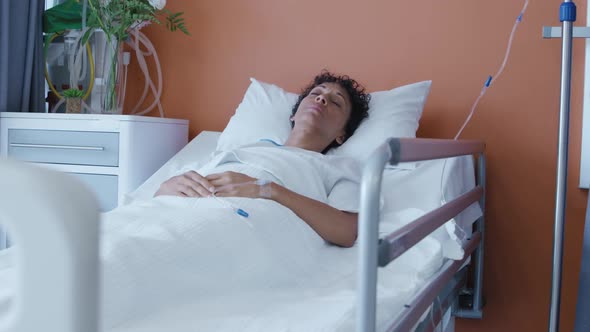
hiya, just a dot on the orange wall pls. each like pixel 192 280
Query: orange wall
pixel 383 44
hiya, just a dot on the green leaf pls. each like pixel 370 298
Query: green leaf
pixel 73 93
pixel 173 16
pixel 86 36
pixel 116 17
pixel 184 30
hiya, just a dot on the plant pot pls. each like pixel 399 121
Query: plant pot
pixel 73 105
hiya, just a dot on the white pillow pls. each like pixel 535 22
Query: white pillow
pixel 393 113
pixel 266 108
pixel 263 113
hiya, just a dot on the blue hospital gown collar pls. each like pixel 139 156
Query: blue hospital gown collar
pixel 270 141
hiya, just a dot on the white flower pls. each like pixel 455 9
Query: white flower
pixel 158 4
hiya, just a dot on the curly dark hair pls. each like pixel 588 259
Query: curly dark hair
pixel 359 100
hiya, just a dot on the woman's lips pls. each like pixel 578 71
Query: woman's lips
pixel 315 108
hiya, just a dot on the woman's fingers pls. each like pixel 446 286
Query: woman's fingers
pixel 228 193
pixel 219 179
pixel 232 184
pixel 192 184
pixel 198 178
pixel 189 184
pixel 226 178
pixel 203 192
pixel 219 182
pixel 188 191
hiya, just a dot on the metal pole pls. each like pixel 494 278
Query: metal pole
pixel 368 237
pixel 567 16
pixel 478 283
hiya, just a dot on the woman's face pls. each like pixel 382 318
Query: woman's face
pixel 326 111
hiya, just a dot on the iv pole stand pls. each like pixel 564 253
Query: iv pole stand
pixel 567 15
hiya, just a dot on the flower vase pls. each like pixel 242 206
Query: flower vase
pixel 73 105
pixel 107 97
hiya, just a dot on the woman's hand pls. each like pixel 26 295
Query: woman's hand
pixel 232 184
pixel 189 184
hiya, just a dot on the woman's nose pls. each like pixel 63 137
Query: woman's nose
pixel 321 99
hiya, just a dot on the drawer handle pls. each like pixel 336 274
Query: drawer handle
pixel 65 147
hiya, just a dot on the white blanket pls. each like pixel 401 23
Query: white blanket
pixel 172 250
pixel 167 265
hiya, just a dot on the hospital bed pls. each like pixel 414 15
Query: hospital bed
pixel 63 296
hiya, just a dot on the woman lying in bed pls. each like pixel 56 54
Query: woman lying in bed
pixel 327 112
pixel 168 254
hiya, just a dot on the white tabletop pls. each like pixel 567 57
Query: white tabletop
pixel 74 116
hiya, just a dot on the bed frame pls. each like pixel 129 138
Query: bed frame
pixel 450 281
pixel 70 230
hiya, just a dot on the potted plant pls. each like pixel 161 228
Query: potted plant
pixel 117 18
pixel 73 99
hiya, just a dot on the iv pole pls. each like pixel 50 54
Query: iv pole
pixel 567 15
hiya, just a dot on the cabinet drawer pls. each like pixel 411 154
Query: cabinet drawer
pixel 64 147
pixel 103 186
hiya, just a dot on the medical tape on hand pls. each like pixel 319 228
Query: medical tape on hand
pixel 265 188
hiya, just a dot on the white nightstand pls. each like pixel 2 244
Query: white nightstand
pixel 112 154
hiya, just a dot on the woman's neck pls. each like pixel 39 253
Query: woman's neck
pixel 306 140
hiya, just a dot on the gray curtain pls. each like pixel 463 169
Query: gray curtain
pixel 21 60
pixel 21 56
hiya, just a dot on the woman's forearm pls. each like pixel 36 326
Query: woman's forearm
pixel 331 224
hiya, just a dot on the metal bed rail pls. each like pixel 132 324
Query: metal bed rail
pixel 374 253
pixel 424 298
pixel 445 300
pixel 395 244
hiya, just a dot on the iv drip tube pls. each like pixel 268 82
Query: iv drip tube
pixel 492 79
pixel 489 81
